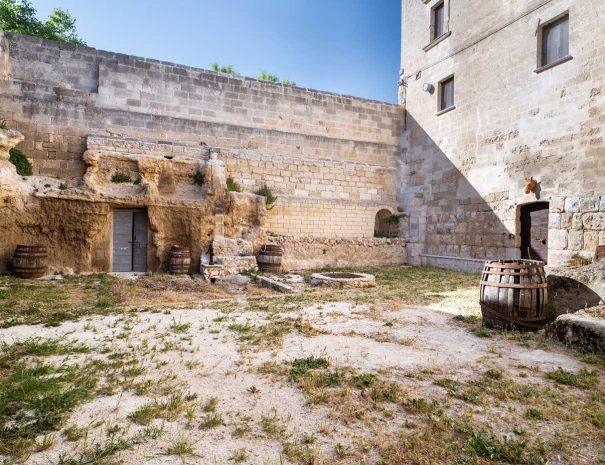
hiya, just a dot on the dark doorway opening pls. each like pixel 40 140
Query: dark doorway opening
pixel 130 240
pixel 534 231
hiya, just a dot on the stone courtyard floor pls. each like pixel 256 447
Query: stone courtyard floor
pixel 162 370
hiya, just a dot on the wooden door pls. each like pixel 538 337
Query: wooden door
pixel 129 240
pixel 534 231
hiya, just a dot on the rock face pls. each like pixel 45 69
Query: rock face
pixel 573 289
pixel 583 330
pixel 76 223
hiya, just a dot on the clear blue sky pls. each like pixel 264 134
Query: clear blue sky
pixel 346 46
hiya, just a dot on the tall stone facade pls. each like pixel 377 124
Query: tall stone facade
pixel 87 115
pixel 463 170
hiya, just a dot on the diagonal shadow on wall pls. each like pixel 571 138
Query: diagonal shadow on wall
pixel 451 224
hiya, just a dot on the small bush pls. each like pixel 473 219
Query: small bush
pixel 232 186
pixel 223 69
pixel 582 379
pixel 267 193
pixel 119 178
pixel 264 76
pixel 17 158
pixel 62 186
pixel 287 82
pixel 301 366
pixel 198 178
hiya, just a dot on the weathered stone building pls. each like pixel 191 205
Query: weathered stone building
pixel 497 93
pixel 496 150
pixel 88 115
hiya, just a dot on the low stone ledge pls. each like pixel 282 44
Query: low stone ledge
pixel 307 253
pixel 269 283
pixel 582 331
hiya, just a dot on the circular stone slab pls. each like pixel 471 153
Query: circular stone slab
pixel 339 279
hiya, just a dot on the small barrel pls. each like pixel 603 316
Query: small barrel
pixel 30 261
pixel 514 294
pixel 269 258
pixel 180 260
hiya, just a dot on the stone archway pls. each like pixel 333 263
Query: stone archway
pixel 386 224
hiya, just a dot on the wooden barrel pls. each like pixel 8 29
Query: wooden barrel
pixel 269 258
pixel 180 260
pixel 30 261
pixel 514 294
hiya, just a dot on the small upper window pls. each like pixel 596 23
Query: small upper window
pixel 438 20
pixel 446 94
pixel 555 41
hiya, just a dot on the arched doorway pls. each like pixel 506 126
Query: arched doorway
pixel 534 231
pixel 386 224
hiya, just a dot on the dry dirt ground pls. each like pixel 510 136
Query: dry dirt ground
pixel 98 370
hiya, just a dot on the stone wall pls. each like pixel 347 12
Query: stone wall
pixel 312 148
pixel 463 171
pixel 305 253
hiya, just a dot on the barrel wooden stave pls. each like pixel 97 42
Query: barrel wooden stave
pixel 514 294
pixel 179 260
pixel 30 261
pixel 270 258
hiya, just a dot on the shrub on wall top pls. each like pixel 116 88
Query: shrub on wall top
pixel 232 186
pixel 267 193
pixel 17 158
pixel 120 178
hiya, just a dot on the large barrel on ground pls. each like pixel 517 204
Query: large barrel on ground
pixel 514 294
pixel 180 260
pixel 269 258
pixel 30 261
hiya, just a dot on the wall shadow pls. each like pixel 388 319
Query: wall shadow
pixel 449 217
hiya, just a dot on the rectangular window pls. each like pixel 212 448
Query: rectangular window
pixel 446 94
pixel 438 20
pixel 555 41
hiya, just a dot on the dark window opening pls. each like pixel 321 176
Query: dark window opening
pixel 446 94
pixel 438 21
pixel 555 41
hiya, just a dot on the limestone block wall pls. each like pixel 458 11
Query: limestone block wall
pixel 463 171
pixel 306 253
pixel 310 147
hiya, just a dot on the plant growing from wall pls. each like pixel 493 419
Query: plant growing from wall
pixel 223 69
pixel 198 178
pixel 233 186
pixel 287 82
pixel 267 193
pixel 264 76
pixel 119 178
pixel 62 186
pixel 20 16
pixel 17 158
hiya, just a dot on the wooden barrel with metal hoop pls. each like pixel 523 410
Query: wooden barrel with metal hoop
pixel 270 257
pixel 30 261
pixel 514 294
pixel 180 260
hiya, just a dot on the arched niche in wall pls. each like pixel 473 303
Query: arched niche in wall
pixel 386 224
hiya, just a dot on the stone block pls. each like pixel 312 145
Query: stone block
pixel 554 220
pixel 572 204
pixel 589 204
pixel 594 221
pixel 575 240
pixel 557 239
pixel 557 204
pixel 581 331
